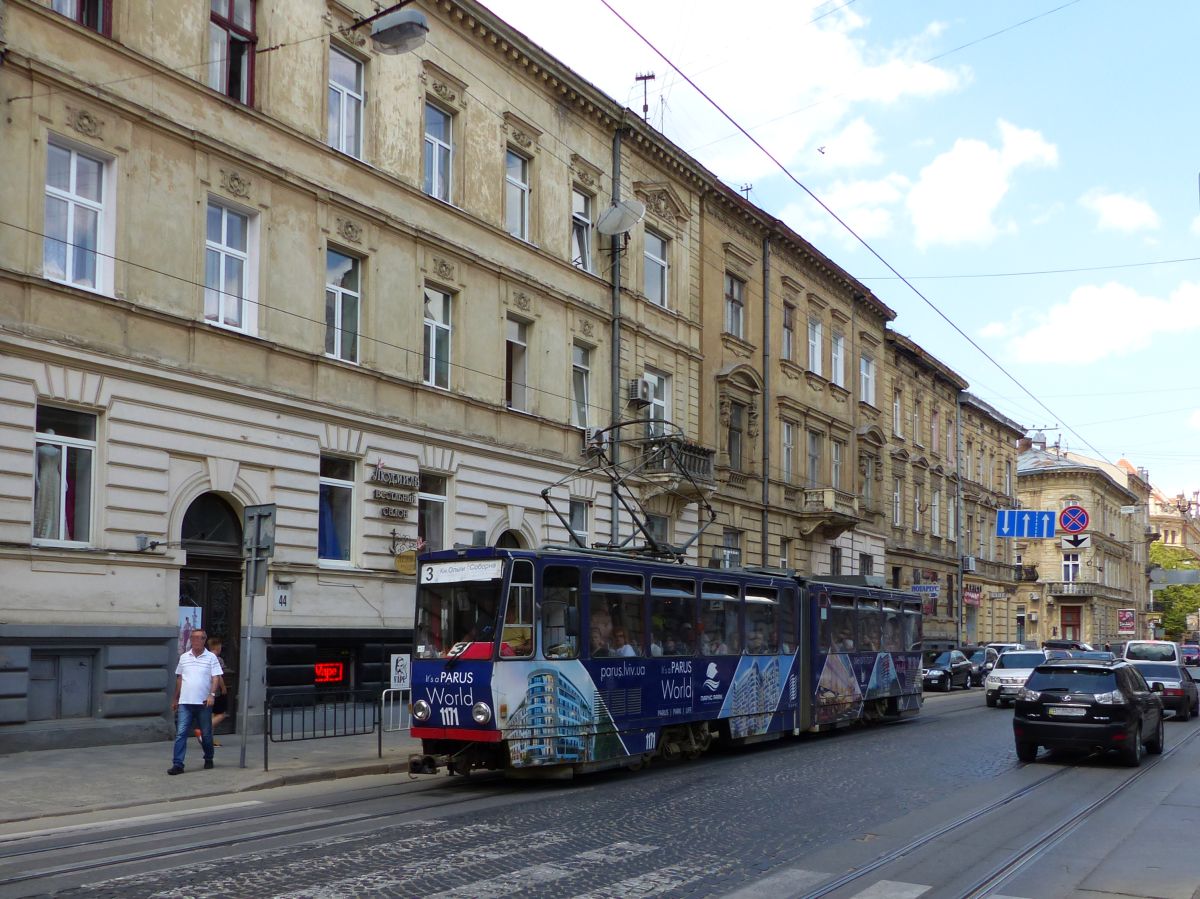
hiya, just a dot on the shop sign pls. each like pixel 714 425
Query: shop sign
pixel 392 493
pixel 1126 621
pixel 972 594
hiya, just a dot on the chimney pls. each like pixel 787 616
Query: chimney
pixel 1039 441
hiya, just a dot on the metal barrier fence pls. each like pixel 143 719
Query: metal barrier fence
pixel 394 710
pixel 318 716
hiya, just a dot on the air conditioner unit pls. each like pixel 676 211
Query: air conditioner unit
pixel 1033 616
pixel 968 564
pixel 1034 597
pixel 641 391
pixel 594 441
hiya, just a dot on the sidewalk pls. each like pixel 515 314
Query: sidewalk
pixel 71 781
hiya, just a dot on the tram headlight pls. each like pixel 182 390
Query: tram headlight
pixel 481 712
pixel 421 710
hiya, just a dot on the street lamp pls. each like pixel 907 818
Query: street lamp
pixel 395 30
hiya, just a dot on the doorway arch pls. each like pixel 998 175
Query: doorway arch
pixel 510 539
pixel 210 584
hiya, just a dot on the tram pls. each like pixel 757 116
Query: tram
pixel 562 660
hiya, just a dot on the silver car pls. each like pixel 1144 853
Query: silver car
pixel 1011 671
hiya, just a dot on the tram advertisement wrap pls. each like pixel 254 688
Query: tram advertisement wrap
pixel 846 680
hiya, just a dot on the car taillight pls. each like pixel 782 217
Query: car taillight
pixel 1172 691
pixel 1028 695
pixel 1116 697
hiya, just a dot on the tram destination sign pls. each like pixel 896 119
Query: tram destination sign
pixel 1028 523
pixel 465 570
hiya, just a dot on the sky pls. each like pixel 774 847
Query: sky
pixel 1029 167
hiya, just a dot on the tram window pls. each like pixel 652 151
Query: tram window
pixel 787 620
pixel 841 624
pixel 672 616
pixel 516 640
pixel 719 633
pixel 893 628
pixel 560 612
pixel 455 613
pixel 824 624
pixel 619 597
pixel 762 621
pixel 869 625
pixel 912 628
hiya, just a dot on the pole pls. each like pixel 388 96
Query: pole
pixel 958 541
pixel 614 349
pixel 764 535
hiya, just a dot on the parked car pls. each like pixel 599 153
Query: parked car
pixel 1100 654
pixel 942 670
pixel 1179 692
pixel 1066 644
pixel 1009 674
pixel 1191 653
pixel 982 659
pixel 1006 647
pixel 1153 651
pixel 1088 704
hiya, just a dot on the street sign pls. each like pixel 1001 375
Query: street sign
pixel 1024 523
pixel 1073 519
pixel 1077 541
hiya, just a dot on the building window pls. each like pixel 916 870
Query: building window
pixel 837 454
pixel 581 231
pixel 866 380
pixel 660 403
pixel 231 42
pixel 1070 567
pixel 785 552
pixel 788 435
pixel 918 524
pixel 659 527
pixel 735 305
pixel 837 360
pixel 917 415
pixel 580 519
pixel 64 459
pixel 935 427
pixel 952 516
pixel 655 266
pixel 815 439
pixel 866 564
pixel 868 481
pixel 970 535
pixel 431 512
pixel 342 301
pixel 731 548
pixel 439 152
pixel 737 426
pixel 935 512
pixel 437 338
pixel 516 195
pixel 897 413
pixel 897 494
pixel 1008 479
pixel 93 14
pixel 789 332
pixel 814 346
pixel 835 560
pixel 345 103
pixel 335 512
pixel 516 374
pixel 227 264
pixel 77 246
pixel 951 443
pixel 581 375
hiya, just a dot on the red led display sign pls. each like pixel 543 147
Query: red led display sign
pixel 330 672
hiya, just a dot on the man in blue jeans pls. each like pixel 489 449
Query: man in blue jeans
pixel 196 679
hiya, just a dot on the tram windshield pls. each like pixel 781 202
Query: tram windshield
pixel 448 614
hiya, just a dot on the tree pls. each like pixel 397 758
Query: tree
pixel 1180 600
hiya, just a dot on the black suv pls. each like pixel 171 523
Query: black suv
pixel 1088 704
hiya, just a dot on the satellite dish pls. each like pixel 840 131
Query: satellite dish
pixel 620 217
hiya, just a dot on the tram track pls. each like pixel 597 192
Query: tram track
pixel 317 823
pixel 987 883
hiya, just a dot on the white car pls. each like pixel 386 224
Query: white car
pixel 1153 651
pixel 1008 676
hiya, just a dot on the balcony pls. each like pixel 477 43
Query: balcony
pixel 824 509
pixel 1085 590
pixel 1026 574
pixel 997 572
pixel 669 462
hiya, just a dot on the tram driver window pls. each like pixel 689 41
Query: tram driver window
pixel 912 626
pixel 869 625
pixel 719 607
pixel 762 621
pixel 621 598
pixel 841 624
pixel 560 612
pixel 516 640
pixel 787 621
pixel 672 613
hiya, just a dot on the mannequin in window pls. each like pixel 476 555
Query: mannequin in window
pixel 47 490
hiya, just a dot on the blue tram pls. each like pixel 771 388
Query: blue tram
pixel 562 660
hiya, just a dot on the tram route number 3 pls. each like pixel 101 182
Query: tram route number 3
pixel 401 672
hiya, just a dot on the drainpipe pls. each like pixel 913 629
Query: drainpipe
pixel 615 340
pixel 958 514
pixel 766 398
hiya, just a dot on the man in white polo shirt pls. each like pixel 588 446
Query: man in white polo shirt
pixel 196 679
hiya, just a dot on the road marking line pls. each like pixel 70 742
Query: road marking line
pixel 893 889
pixel 105 825
pixel 782 883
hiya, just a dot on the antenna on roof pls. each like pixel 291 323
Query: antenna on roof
pixel 648 76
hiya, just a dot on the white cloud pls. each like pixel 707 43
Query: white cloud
pixel 855 146
pixel 957 195
pixel 866 206
pixel 1098 322
pixel 1194 420
pixel 1118 212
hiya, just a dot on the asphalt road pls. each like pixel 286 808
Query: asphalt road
pixel 770 820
